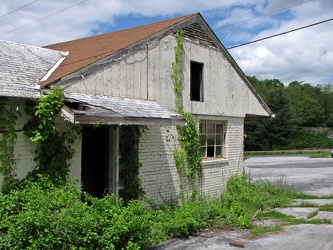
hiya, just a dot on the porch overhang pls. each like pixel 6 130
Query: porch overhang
pixel 92 109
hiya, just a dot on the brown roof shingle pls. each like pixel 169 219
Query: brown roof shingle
pixel 85 51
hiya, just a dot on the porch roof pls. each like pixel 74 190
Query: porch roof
pixel 92 109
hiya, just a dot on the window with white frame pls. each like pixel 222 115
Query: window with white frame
pixel 212 139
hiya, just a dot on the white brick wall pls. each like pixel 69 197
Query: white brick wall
pixel 24 149
pixel 159 174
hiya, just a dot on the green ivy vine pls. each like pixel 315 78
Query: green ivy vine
pixel 129 158
pixel 8 117
pixel 54 149
pixel 189 134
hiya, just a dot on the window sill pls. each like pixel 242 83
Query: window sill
pixel 214 161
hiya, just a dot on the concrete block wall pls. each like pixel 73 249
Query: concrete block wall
pixel 159 174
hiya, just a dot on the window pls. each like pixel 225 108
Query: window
pixel 196 81
pixel 211 140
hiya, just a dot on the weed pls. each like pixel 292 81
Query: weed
pixel 313 214
pixel 256 231
pixel 327 208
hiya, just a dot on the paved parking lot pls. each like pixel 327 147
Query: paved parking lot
pixel 299 173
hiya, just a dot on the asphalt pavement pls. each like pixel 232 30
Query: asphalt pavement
pixel 299 173
pixel 312 176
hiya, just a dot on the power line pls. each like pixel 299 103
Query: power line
pixel 275 11
pixel 279 34
pixel 42 18
pixel 18 9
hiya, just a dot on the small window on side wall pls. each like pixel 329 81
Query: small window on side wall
pixel 196 81
pixel 212 140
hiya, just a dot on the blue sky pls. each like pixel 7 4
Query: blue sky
pixel 305 55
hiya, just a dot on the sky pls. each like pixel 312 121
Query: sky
pixel 305 55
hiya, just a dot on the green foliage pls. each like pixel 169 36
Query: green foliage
pixel 189 134
pixel 304 101
pixel 44 111
pixel 177 70
pixel 180 161
pixel 8 116
pixel 295 106
pixel 303 138
pixel 54 150
pixel 244 197
pixel 129 158
pixel 189 140
pixel 42 216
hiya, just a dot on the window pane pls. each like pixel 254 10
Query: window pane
pixel 218 151
pixel 202 128
pixel 210 140
pixel 210 151
pixel 203 140
pixel 219 128
pixel 210 128
pixel 218 139
pixel 203 151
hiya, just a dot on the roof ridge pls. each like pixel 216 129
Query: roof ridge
pixel 86 51
pixel 123 30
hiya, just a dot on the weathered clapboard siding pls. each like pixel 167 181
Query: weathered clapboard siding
pixel 125 77
pixel 147 75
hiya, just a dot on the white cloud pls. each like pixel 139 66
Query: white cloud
pixel 304 55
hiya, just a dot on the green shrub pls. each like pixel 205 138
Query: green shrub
pixel 244 197
pixel 42 216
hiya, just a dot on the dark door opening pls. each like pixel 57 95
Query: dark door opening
pixel 94 166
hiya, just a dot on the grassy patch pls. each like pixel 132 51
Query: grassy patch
pixel 315 153
pixel 304 196
pixel 256 231
pixel 306 204
pixel 321 155
pixel 318 221
pixel 313 214
pixel 327 208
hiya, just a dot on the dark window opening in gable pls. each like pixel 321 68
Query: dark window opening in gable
pixel 196 81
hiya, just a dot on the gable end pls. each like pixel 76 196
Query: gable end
pixel 196 33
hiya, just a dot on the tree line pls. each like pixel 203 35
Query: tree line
pixel 297 107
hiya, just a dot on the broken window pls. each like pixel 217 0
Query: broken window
pixel 196 81
pixel 212 139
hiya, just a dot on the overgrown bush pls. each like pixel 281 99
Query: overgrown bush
pixel 244 197
pixel 40 215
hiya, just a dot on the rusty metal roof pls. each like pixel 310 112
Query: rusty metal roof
pixel 85 51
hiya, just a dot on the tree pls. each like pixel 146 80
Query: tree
pixel 304 101
pixel 270 133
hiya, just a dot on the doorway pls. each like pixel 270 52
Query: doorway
pixel 99 165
